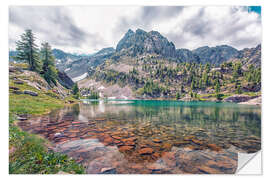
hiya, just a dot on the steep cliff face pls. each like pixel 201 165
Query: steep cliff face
pixel 142 42
pixel 185 55
pixel 64 80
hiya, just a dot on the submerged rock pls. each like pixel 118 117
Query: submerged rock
pixel 157 141
pixel 108 171
pixel 181 143
pixel 58 135
pixel 125 148
pixel 146 151
pixel 197 141
pixel 214 147
pixel 208 170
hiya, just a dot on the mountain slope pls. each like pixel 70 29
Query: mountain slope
pixel 149 46
pixel 79 67
pixel 249 56
pixel 215 55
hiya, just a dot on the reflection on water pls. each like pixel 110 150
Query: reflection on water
pixel 152 136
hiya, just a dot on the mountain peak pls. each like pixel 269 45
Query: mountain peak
pixel 129 32
pixel 140 31
pixel 142 42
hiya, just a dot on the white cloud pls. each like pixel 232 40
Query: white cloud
pixel 87 29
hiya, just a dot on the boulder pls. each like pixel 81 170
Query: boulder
pixel 14 88
pixel 58 134
pixel 30 93
pixel 18 82
pixel 15 69
pixel 17 92
pixel 21 118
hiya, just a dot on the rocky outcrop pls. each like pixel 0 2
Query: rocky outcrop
pixel 255 101
pixel 249 56
pixel 64 80
pixel 35 80
pixel 238 98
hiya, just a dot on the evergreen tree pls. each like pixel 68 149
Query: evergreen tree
pixel 192 86
pixel 217 89
pixel 182 89
pixel 177 96
pixel 205 79
pixel 48 68
pixel 28 50
pixel 191 94
pixel 207 67
pixel 238 89
pixel 237 70
pixel 200 84
pixel 75 89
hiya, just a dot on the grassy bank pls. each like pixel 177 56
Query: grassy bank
pixel 28 153
pixel 34 105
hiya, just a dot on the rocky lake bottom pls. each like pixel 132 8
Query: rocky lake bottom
pixel 152 137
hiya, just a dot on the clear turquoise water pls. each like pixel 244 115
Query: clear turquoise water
pixel 221 119
pixel 181 137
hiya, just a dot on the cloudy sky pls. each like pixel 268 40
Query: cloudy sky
pixel 86 29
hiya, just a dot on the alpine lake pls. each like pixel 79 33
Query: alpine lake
pixel 151 136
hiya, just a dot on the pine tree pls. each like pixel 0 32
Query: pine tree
pixel 182 89
pixel 192 86
pixel 205 79
pixel 217 87
pixel 238 89
pixel 177 96
pixel 48 67
pixel 207 67
pixel 28 50
pixel 75 91
pixel 200 84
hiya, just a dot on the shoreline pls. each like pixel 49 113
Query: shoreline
pixel 253 101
